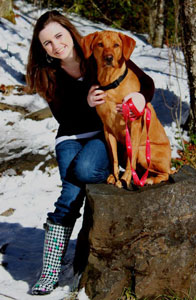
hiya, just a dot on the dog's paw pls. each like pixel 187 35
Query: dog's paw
pixel 118 184
pixel 157 179
pixel 111 179
pixel 149 181
pixel 126 179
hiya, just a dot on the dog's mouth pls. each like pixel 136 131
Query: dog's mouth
pixel 108 64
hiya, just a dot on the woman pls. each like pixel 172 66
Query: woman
pixel 58 72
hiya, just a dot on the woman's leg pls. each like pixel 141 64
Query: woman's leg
pixel 89 165
pixel 80 162
pixel 57 234
pixel 72 190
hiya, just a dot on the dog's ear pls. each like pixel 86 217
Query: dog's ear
pixel 86 44
pixel 128 45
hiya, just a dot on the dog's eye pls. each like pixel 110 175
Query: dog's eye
pixel 100 44
pixel 116 45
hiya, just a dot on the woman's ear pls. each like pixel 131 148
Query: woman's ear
pixel 87 44
pixel 128 45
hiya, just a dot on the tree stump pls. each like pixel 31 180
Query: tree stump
pixel 144 239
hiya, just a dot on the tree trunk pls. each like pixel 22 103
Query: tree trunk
pixel 188 22
pixel 176 24
pixel 152 18
pixel 6 10
pixel 156 22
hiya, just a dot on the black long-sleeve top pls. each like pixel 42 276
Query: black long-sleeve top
pixel 71 108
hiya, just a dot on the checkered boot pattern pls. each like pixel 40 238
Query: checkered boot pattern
pixel 55 244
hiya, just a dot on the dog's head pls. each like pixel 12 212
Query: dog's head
pixel 108 47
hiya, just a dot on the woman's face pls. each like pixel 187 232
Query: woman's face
pixel 57 41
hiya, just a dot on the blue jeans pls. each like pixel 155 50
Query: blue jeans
pixel 80 161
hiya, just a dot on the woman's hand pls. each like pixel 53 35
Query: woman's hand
pixel 95 96
pixel 138 100
pixel 120 111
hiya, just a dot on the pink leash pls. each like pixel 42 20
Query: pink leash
pixel 126 107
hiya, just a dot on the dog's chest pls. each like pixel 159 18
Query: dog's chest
pixel 113 122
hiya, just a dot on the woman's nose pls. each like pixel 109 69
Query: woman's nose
pixel 55 45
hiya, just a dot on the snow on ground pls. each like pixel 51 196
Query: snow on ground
pixel 32 194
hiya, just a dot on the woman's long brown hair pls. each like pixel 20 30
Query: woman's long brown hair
pixel 40 75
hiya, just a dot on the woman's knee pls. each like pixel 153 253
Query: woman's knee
pixel 86 172
pixel 82 171
pixel 92 163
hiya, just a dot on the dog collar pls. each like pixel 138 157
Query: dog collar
pixel 115 83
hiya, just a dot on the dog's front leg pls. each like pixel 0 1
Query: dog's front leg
pixel 126 177
pixel 112 144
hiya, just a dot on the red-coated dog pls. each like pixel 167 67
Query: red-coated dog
pixel 111 51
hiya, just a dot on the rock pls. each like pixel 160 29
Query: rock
pixel 40 114
pixel 6 10
pixel 8 212
pixel 16 108
pixel 28 162
pixel 15 89
pixel 143 238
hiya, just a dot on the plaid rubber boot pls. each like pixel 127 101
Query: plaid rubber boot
pixel 55 244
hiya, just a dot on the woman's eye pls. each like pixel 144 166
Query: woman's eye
pixel 116 45
pixel 58 36
pixel 46 44
pixel 100 44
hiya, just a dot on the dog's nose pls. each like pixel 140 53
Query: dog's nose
pixel 108 58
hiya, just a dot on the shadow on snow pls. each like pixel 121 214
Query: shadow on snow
pixel 167 107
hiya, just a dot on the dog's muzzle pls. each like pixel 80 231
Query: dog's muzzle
pixel 108 59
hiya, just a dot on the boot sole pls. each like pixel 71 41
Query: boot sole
pixel 41 293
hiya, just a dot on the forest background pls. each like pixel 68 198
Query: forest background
pixel 162 23
pixel 138 16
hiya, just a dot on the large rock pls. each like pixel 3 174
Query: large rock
pixel 144 239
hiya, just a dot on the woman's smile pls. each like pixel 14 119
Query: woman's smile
pixel 60 51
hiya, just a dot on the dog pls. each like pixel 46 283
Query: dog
pixel 111 50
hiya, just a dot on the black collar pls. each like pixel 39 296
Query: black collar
pixel 115 83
